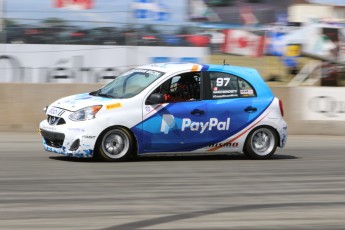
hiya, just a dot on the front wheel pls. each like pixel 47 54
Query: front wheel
pixel 261 143
pixel 115 145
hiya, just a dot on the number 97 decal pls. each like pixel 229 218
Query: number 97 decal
pixel 222 81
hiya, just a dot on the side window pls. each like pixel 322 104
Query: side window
pixel 183 87
pixel 225 85
pixel 246 90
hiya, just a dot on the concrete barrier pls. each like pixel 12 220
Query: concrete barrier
pixel 22 107
pixel 23 103
pixel 327 119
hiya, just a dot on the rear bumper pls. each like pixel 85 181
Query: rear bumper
pixel 283 133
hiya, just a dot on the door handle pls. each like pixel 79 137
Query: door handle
pixel 197 112
pixel 250 109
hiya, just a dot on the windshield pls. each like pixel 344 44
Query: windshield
pixel 129 84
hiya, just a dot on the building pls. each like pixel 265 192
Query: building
pixel 324 10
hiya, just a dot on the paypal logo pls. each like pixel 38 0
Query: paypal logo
pixel 201 127
pixel 168 121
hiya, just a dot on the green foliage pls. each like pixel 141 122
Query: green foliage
pixel 54 22
pixel 10 22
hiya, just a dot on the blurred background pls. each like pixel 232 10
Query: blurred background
pixel 298 46
pixel 277 37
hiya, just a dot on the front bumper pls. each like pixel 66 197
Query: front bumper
pixel 68 141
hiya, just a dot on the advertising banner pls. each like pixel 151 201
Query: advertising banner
pixel 323 104
pixel 84 63
pixel 150 10
pixel 74 4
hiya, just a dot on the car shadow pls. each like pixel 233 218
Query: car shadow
pixel 74 159
pixel 209 158
pixel 231 157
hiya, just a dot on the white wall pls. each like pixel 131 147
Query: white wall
pixel 305 12
pixel 83 63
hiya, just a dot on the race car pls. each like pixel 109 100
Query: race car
pixel 169 108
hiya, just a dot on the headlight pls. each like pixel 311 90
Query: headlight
pixel 86 113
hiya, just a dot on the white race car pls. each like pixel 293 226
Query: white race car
pixel 177 108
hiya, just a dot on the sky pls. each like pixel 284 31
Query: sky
pixel 116 13
pixel 330 2
pixel 113 11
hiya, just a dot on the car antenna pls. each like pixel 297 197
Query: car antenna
pixel 224 63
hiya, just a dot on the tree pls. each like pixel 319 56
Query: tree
pixel 54 22
pixel 10 22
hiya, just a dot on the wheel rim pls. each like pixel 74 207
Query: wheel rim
pixel 263 142
pixel 115 144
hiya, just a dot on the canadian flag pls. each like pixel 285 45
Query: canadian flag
pixel 242 42
pixel 74 4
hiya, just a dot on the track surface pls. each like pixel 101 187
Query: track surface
pixel 302 187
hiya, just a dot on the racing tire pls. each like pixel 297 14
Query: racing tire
pixel 116 144
pixel 261 143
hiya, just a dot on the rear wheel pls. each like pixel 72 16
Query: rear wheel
pixel 115 144
pixel 261 143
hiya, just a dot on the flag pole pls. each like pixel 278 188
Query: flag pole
pixel 2 22
pixel 2 19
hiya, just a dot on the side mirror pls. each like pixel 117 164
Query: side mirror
pixel 156 98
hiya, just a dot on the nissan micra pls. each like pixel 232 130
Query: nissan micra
pixel 169 108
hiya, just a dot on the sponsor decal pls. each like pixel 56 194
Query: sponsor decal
pixel 246 91
pixel 76 129
pixel 231 91
pixel 168 122
pixel 195 68
pixel 147 108
pixel 55 111
pixel 224 96
pixel 201 127
pixel 89 137
pixel 114 106
pixel 64 151
pixel 224 145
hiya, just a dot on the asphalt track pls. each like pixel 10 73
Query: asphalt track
pixel 302 187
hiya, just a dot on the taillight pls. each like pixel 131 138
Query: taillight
pixel 149 37
pixel 281 107
pixel 77 34
pixel 32 31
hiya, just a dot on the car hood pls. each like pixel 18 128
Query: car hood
pixel 79 101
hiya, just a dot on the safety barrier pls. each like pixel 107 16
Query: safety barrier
pixel 308 110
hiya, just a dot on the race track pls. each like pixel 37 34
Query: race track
pixel 302 187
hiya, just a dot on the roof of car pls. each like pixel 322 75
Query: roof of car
pixel 244 72
pixel 183 66
pixel 173 66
